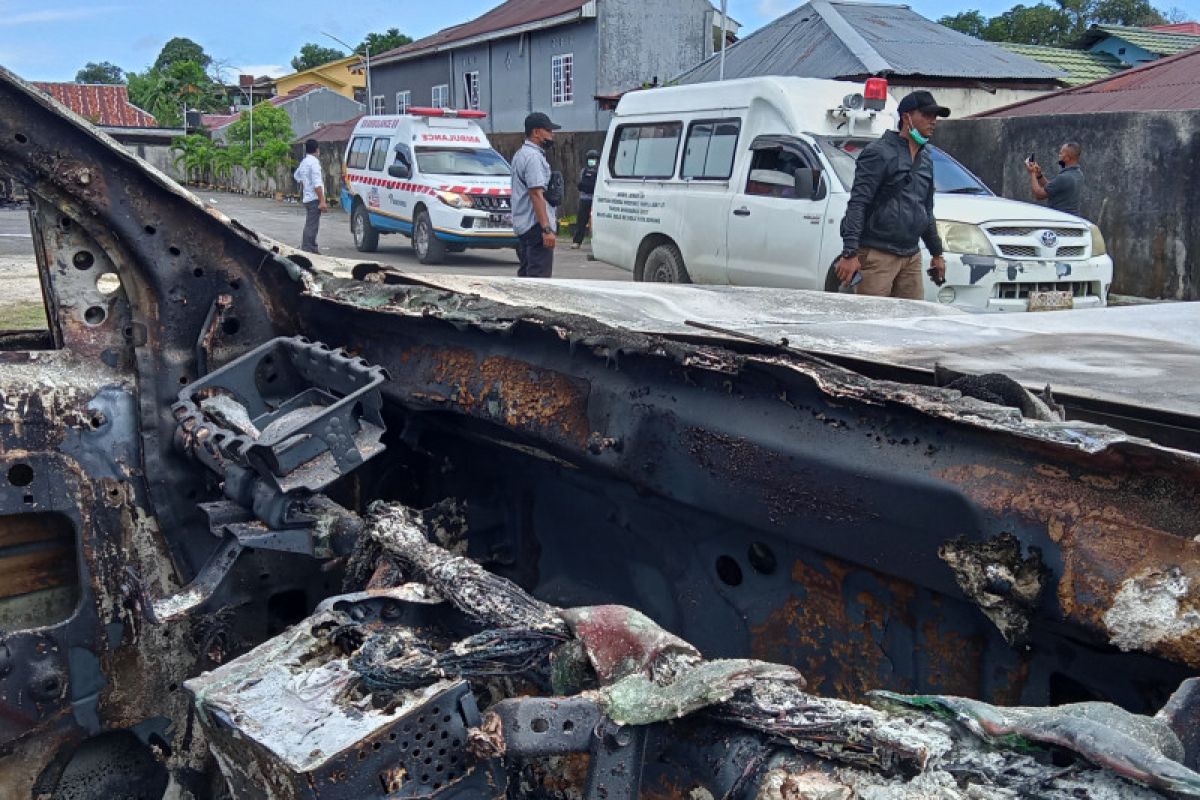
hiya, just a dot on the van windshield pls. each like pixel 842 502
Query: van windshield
pixel 948 175
pixel 461 161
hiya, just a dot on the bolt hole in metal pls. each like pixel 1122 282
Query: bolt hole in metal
pixel 539 725
pixel 94 315
pixel 762 559
pixel 173 250
pixel 231 326
pixel 83 260
pixel 20 474
pixel 150 229
pixel 199 273
pixel 729 571
pixel 108 283
pixel 21 138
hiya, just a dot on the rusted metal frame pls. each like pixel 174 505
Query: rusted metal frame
pixel 796 468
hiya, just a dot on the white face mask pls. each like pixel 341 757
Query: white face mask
pixel 591 162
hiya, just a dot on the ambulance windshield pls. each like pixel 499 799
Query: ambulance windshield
pixel 948 175
pixel 461 161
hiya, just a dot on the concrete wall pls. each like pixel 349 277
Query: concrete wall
pixel 965 102
pixel 1141 173
pixel 640 40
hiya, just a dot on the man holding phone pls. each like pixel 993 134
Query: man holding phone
pixel 891 208
pixel 1062 192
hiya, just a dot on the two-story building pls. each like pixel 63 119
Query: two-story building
pixel 557 56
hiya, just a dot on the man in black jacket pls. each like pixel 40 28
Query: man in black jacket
pixel 891 208
pixel 587 186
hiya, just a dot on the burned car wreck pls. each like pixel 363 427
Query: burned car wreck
pixel 268 529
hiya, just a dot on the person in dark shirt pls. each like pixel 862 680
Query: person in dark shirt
pixel 587 187
pixel 891 208
pixel 1062 192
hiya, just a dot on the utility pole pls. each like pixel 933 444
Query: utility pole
pixel 366 67
pixel 724 25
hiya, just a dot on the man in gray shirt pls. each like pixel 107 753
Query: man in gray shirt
pixel 1062 192
pixel 533 217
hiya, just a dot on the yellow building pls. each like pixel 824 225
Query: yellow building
pixel 344 76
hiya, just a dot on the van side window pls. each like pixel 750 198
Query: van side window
pixel 379 152
pixel 358 152
pixel 708 153
pixel 773 172
pixel 646 150
pixel 403 155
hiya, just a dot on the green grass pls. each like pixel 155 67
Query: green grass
pixel 22 317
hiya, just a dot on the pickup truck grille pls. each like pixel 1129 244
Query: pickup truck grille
pixel 1020 291
pixel 488 202
pixel 1026 241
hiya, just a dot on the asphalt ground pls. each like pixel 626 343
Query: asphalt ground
pixel 285 221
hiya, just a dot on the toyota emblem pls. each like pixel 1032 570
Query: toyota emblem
pixel 1049 238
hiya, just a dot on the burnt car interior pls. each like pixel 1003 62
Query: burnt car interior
pixel 269 530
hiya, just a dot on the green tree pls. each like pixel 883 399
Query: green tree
pixel 1127 12
pixel 103 72
pixel 271 124
pixel 382 42
pixel 972 23
pixel 314 55
pixel 194 155
pixel 152 91
pixel 1040 24
pixel 181 49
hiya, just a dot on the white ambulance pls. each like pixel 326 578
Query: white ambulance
pixel 745 182
pixel 431 175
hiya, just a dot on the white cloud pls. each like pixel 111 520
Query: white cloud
pixel 259 70
pixel 51 15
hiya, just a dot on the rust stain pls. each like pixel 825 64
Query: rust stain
pixel 1110 529
pixel 507 390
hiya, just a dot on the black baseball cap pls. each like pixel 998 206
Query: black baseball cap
pixel 539 120
pixel 922 101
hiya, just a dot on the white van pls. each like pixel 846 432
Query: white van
pixel 745 182
pixel 431 175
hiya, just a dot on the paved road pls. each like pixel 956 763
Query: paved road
pixel 284 221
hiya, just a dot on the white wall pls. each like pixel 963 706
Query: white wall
pixel 965 102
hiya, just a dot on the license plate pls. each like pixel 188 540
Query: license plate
pixel 499 220
pixel 1051 301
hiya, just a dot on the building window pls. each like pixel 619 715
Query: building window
pixel 403 101
pixel 645 151
pixel 471 89
pixel 377 104
pixel 441 96
pixel 562 70
pixel 708 154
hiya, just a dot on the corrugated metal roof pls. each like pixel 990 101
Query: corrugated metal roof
pixel 1158 42
pixel 1168 84
pixel 1081 66
pixel 512 14
pixel 102 104
pixel 1178 27
pixel 334 131
pixel 896 39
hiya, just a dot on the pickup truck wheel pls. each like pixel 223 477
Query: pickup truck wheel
pixel 430 249
pixel 832 284
pixel 366 238
pixel 665 265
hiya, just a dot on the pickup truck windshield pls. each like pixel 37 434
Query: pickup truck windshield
pixel 948 175
pixel 460 161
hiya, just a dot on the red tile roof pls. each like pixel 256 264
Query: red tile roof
pixel 1192 28
pixel 1168 84
pixel 511 14
pixel 213 121
pixel 103 104
pixel 334 131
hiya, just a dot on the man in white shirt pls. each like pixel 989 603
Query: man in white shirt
pixel 308 175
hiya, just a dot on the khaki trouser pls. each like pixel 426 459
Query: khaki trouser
pixel 889 275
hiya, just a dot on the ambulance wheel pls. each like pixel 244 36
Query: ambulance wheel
pixel 456 248
pixel 430 249
pixel 665 265
pixel 366 238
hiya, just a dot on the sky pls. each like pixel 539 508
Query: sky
pixel 51 40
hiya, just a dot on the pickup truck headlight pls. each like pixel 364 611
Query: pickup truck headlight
pixel 455 200
pixel 1099 248
pixel 963 237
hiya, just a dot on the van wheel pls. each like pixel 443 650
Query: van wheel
pixel 430 249
pixel 366 238
pixel 665 265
